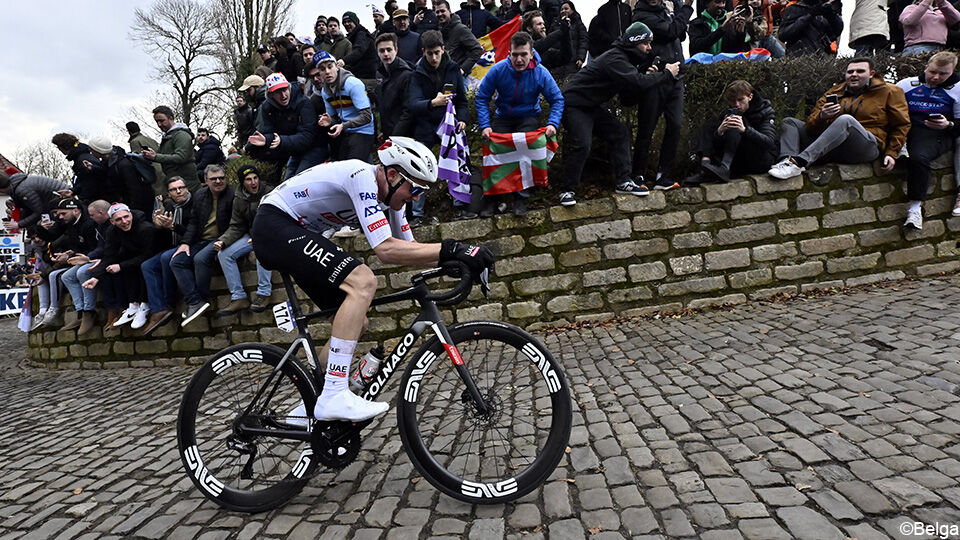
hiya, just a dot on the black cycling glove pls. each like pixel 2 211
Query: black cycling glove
pixel 477 258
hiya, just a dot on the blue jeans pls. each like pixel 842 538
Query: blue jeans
pixel 73 278
pixel 298 164
pixel 920 48
pixel 193 272
pixel 228 261
pixel 772 44
pixel 161 285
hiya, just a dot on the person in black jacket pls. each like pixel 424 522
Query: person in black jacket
pixel 74 233
pixel 89 177
pixel 409 46
pixel 33 195
pixel 125 181
pixel 172 216
pixel 718 31
pixel 422 17
pixel 244 117
pixel 428 100
pixel 743 140
pixel 393 89
pixel 811 27
pixel 289 61
pixel 578 40
pixel 508 10
pixel 554 48
pixel 362 58
pixel 585 96
pixel 130 241
pixel 193 260
pixel 612 19
pixel 208 151
pixel 286 129
pixel 480 21
pixel 669 30
pixel 85 300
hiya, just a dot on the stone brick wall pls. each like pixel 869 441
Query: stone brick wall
pixel 690 248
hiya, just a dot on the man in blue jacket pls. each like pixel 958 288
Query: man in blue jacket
pixel 518 82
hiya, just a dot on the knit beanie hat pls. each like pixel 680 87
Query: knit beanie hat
pixel 349 15
pixel 638 32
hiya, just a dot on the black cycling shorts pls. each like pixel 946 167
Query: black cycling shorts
pixel 316 264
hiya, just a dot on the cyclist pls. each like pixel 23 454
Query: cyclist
pixel 287 237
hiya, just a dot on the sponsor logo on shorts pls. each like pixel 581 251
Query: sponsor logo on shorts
pixel 474 251
pixel 376 225
pixel 297 239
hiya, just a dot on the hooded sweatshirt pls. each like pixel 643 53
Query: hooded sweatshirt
pixel 176 155
pixel 346 101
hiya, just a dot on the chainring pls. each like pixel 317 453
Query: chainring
pixel 336 444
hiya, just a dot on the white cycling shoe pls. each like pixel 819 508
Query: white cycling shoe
pixel 345 405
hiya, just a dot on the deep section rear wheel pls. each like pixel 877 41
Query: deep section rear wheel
pixel 239 471
pixel 495 456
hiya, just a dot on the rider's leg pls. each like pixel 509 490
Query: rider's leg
pixel 336 402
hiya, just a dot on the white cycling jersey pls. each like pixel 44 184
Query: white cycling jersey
pixel 340 193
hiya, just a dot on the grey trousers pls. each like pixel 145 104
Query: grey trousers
pixel 844 141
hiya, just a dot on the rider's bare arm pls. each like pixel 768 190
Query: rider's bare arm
pixel 397 251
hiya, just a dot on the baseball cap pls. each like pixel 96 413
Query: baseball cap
pixel 119 207
pixel 322 56
pixel 68 204
pixel 252 80
pixel 397 13
pixel 276 81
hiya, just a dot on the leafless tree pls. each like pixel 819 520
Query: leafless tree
pixel 42 158
pixel 242 25
pixel 182 36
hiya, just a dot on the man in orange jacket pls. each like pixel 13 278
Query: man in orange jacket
pixel 856 121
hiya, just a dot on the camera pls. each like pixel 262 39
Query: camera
pixel 659 63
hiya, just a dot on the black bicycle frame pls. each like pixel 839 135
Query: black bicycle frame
pixel 429 317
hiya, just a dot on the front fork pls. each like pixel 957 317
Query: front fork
pixel 431 315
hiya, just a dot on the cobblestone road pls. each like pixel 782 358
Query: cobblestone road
pixel 820 418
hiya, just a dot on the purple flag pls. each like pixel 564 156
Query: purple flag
pixel 454 164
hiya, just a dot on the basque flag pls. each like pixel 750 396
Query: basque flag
pixel 515 161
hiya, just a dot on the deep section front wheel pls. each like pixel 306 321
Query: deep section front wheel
pixel 236 469
pixel 504 452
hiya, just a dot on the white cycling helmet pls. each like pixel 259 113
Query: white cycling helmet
pixel 414 159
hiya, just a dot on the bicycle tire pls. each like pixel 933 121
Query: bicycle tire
pixel 212 402
pixel 534 450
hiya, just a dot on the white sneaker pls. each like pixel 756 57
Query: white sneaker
pixel 140 318
pixel 956 207
pixel 345 405
pixel 785 169
pixel 914 219
pixel 346 232
pixel 127 316
pixel 298 416
pixel 38 319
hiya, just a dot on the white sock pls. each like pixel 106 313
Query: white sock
pixel 338 366
pixel 915 206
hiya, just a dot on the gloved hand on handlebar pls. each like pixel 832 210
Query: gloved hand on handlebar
pixel 477 258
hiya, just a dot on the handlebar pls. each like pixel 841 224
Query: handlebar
pixel 459 293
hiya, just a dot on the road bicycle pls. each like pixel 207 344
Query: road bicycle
pixel 483 409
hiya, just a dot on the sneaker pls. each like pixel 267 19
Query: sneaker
pixel 194 311
pixel 345 405
pixel 235 306
pixel 460 214
pixel 157 320
pixel 416 221
pixel 127 316
pixel 787 168
pixel 628 187
pixel 346 232
pixel 260 303
pixel 140 318
pixel 566 199
pixel 956 206
pixel 53 319
pixel 664 183
pixel 914 219
pixel 298 417
pixel 328 233
pixel 519 206
pixel 38 319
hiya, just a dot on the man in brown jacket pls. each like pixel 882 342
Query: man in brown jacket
pixel 854 122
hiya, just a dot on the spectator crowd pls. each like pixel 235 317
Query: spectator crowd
pixel 147 226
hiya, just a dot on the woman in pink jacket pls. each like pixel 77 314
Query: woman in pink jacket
pixel 925 25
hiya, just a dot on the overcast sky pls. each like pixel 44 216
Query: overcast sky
pixel 75 69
